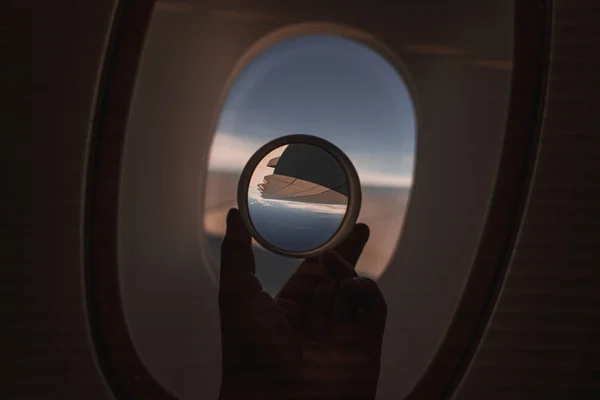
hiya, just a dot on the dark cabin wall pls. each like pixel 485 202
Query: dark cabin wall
pixel 543 340
pixel 54 57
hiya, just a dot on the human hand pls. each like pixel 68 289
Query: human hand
pixel 320 338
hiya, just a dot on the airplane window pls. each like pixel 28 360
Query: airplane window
pixel 196 119
pixel 334 88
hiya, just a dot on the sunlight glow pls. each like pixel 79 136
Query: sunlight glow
pixel 231 153
pixel 299 205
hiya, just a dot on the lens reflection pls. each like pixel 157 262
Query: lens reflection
pixel 298 197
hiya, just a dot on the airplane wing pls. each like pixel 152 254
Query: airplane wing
pixel 305 173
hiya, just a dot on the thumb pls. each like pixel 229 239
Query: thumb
pixel 371 305
pixel 253 328
pixel 237 277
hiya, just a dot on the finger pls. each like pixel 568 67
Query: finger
pixel 256 333
pixel 321 309
pixel 300 289
pixel 324 298
pixel 236 250
pixel 238 278
pixel 365 291
pixel 351 335
pixel 343 309
pixel 351 248
pixel 301 286
pixel 253 327
pixel 369 301
pixel 336 266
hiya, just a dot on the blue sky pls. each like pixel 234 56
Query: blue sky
pixel 326 86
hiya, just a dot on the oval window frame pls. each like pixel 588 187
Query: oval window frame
pixel 115 353
pixel 269 40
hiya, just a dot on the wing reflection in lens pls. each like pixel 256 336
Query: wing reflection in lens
pixel 299 197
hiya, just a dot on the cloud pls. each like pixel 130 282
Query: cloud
pixel 374 171
pixel 256 198
pixel 374 178
pixel 316 207
pixel 231 153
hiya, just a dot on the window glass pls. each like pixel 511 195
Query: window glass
pixel 184 151
pixel 334 88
